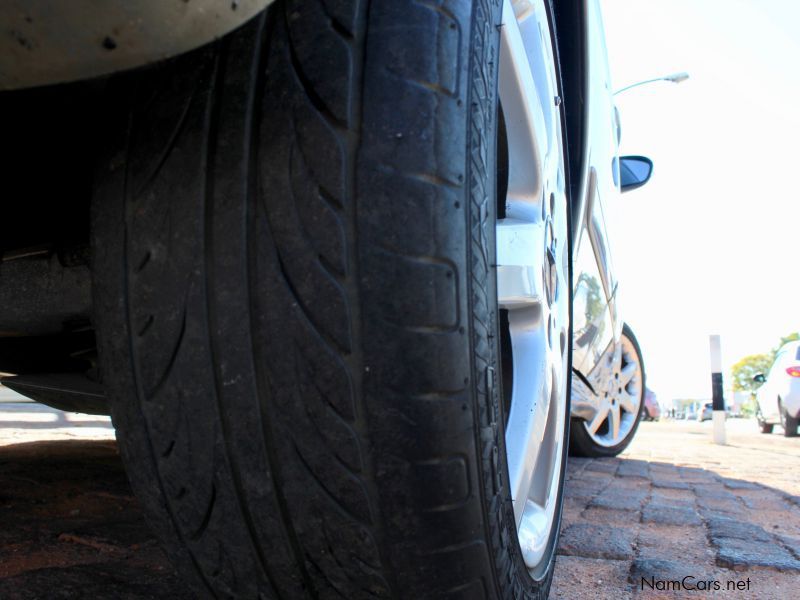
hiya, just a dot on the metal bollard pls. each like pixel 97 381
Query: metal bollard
pixel 717 399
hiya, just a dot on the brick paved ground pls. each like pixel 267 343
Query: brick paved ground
pixel 675 505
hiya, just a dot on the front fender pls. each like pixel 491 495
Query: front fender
pixel 55 41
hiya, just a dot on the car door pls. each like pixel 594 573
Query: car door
pixel 593 326
pixel 596 323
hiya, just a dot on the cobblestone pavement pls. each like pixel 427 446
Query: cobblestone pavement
pixel 673 506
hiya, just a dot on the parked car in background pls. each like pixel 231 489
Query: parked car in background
pixel 778 398
pixel 652 411
pixel 706 412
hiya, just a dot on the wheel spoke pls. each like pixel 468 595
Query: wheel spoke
pixel 519 245
pixel 614 421
pixel 525 119
pixel 533 532
pixel 597 420
pixel 627 373
pixel 529 406
pixel 627 402
pixel 584 403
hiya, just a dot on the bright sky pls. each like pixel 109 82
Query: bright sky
pixel 710 244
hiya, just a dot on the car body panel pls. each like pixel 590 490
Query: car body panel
pixel 596 329
pixel 45 42
pixel 593 327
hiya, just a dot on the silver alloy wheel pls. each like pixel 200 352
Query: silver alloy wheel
pixel 533 272
pixel 617 382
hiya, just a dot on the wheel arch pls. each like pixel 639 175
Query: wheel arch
pixel 57 42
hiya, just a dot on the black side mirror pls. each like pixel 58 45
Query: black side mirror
pixel 759 378
pixel 634 172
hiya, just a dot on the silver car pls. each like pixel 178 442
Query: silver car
pixel 339 270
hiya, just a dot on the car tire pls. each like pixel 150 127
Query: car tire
pixel 763 425
pixel 581 442
pixel 297 312
pixel 788 423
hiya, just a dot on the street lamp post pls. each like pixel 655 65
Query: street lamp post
pixel 674 78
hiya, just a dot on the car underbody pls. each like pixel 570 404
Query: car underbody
pixel 47 342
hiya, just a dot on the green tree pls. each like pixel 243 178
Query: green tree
pixel 743 371
pixel 794 336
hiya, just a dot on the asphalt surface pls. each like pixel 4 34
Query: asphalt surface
pixel 673 506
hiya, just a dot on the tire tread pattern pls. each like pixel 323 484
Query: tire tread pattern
pixel 251 275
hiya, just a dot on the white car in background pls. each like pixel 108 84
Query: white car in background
pixel 778 399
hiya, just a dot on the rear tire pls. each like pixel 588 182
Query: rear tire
pixel 581 442
pixel 297 312
pixel 765 427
